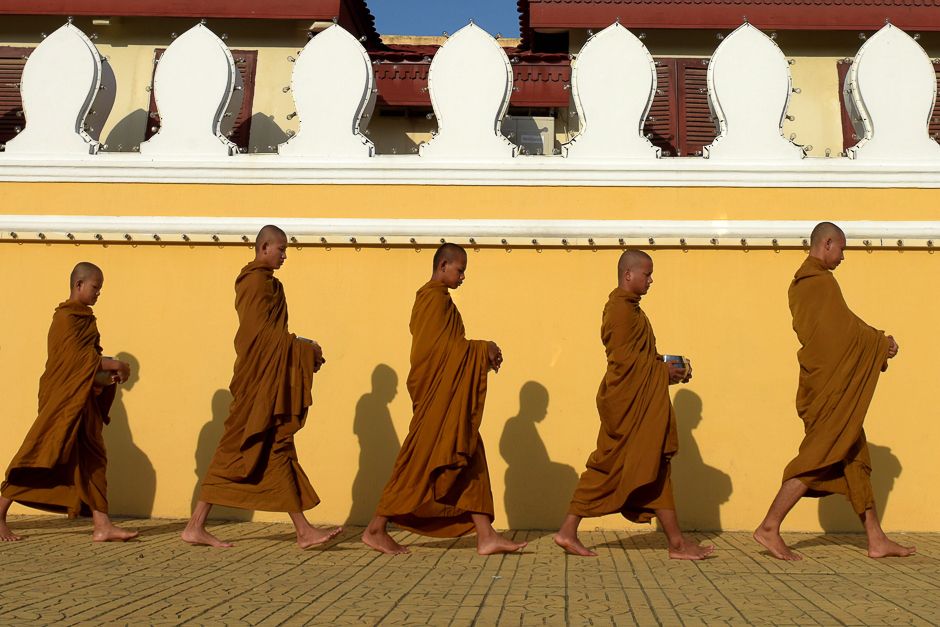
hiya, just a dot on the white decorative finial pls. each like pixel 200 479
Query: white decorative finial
pixel 749 86
pixel 890 108
pixel 193 85
pixel 332 86
pixel 60 83
pixel 614 82
pixel 470 81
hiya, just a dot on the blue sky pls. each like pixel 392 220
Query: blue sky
pixel 432 17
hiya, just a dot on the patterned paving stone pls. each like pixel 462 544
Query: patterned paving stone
pixel 58 576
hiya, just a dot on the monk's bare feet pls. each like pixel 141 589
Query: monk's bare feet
pixel 888 548
pixel 775 544
pixel 6 535
pixel 311 536
pixel 495 543
pixel 110 533
pixel 381 541
pixel 199 536
pixel 689 551
pixel 573 545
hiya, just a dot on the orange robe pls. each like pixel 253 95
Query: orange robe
pixel 255 466
pixel 440 477
pixel 62 464
pixel 630 470
pixel 840 361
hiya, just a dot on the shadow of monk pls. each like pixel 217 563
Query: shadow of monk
pixel 538 490
pixel 699 489
pixel 378 445
pixel 209 438
pixel 132 481
pixel 837 515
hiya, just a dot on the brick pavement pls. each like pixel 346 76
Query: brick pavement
pixel 58 576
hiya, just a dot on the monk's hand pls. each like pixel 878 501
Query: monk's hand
pixel 318 359
pixel 97 390
pixel 123 372
pixel 495 356
pixel 688 373
pixel 676 374
pixel 892 347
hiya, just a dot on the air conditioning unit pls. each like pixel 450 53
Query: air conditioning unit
pixel 535 134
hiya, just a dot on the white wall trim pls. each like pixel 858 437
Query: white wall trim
pixel 520 171
pixel 509 233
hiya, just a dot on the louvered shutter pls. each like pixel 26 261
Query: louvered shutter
pixel 12 62
pixel 696 126
pixel 247 62
pixel 660 125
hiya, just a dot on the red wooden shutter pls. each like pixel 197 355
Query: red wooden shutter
pixel 12 120
pixel 696 127
pixel 660 124
pixel 247 62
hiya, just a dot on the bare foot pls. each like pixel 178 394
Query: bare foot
pixel 110 533
pixel 573 545
pixel 689 551
pixel 312 535
pixel 888 548
pixel 775 544
pixel 496 543
pixel 381 541
pixel 199 536
pixel 6 535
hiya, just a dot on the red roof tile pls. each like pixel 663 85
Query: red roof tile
pixel 725 14
pixel 402 72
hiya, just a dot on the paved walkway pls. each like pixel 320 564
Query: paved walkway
pixel 58 576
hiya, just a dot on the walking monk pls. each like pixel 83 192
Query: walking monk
pixel 255 466
pixel 840 360
pixel 440 485
pixel 62 464
pixel 630 471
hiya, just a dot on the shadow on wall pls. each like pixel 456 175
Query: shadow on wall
pixel 128 133
pixel 378 445
pixel 699 488
pixel 132 481
pixel 209 438
pixel 265 134
pixel 835 512
pixel 538 490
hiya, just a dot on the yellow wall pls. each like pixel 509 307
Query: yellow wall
pixel 169 310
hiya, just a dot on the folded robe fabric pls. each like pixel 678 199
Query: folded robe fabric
pixel 255 466
pixel 840 361
pixel 630 472
pixel 440 477
pixel 62 464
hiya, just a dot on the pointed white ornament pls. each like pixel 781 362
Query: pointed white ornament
pixel 60 81
pixel 193 85
pixel 890 93
pixel 613 84
pixel 332 83
pixel 470 81
pixel 749 87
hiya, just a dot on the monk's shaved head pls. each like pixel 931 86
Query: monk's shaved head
pixel 632 260
pixel 84 271
pixel 449 253
pixel 824 231
pixel 270 234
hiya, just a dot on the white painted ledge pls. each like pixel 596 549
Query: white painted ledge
pixel 533 170
pixel 509 233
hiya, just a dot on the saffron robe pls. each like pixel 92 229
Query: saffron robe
pixel 630 471
pixel 62 464
pixel 440 476
pixel 840 361
pixel 255 466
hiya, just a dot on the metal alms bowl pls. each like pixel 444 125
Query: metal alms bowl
pixel 683 362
